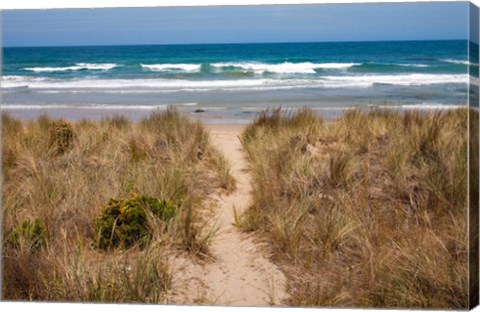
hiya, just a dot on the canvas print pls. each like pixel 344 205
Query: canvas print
pixel 321 155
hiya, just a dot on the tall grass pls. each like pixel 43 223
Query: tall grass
pixel 369 210
pixel 58 175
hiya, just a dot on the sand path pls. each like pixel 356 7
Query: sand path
pixel 241 275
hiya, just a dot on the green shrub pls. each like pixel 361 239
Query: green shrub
pixel 30 233
pixel 164 209
pixel 124 222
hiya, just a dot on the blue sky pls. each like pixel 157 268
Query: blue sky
pixel 227 24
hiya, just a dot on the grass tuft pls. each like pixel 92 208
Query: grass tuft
pixel 61 135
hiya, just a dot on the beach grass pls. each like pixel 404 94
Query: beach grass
pixel 367 210
pixel 95 210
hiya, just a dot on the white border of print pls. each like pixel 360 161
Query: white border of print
pixel 61 4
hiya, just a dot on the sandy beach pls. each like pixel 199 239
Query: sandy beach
pixel 135 114
pixel 242 274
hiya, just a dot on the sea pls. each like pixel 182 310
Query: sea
pixel 237 81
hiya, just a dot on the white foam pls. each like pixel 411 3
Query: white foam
pixel 399 80
pixel 454 61
pixel 415 65
pixel 177 85
pixel 286 67
pixel 89 83
pixel 172 67
pixel 19 81
pixel 22 78
pixel 426 106
pixel 91 66
pixel 258 68
pixel 77 66
pixel 52 69
pixel 80 106
pixel 433 106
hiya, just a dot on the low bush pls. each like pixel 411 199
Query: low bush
pixel 124 222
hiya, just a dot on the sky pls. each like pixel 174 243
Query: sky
pixel 240 24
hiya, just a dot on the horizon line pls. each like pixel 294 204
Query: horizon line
pixel 228 43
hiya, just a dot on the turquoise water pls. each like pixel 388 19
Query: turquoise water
pixel 238 78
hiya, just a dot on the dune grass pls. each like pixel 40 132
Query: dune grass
pixel 368 210
pixel 62 178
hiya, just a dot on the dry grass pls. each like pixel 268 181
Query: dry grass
pixel 369 210
pixel 57 177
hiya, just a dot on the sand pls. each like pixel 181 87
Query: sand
pixel 241 274
pixel 76 113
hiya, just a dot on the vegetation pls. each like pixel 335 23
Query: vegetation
pixel 124 222
pixel 61 136
pixel 369 210
pixel 30 234
pixel 94 210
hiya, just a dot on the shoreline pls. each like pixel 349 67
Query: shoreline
pixel 79 113
pixel 206 116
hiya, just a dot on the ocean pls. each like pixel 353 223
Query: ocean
pixel 237 80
